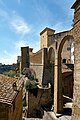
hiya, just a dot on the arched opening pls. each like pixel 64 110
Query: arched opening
pixel 51 56
pixel 66 69
pixel 68 51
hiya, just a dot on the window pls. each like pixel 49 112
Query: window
pixel 68 48
pixel 64 60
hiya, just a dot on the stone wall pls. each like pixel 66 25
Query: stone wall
pixel 3 111
pixel 36 57
pixel 38 68
pixel 38 62
pixel 76 102
pixel 35 103
pixel 15 112
pixel 67 85
pixel 48 74
pixel 76 33
pixel 66 52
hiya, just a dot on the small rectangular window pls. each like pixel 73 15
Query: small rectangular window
pixel 68 48
pixel 64 60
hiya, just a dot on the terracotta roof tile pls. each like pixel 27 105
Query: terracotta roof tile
pixel 7 93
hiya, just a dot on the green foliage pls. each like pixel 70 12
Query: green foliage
pixel 6 68
pixel 30 84
pixel 10 73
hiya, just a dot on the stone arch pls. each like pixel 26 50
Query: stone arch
pixel 62 44
pixel 51 55
pixel 50 63
pixel 59 88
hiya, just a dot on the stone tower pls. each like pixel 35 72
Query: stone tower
pixel 76 7
pixel 44 39
pixel 24 57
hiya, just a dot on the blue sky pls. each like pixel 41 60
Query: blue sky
pixel 21 22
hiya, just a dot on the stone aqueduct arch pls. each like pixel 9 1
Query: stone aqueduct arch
pixel 57 47
pixel 60 94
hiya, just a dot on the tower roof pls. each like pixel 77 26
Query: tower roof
pixel 75 4
pixel 46 30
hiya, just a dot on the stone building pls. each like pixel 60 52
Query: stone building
pixel 43 63
pixel 45 41
pixel 10 98
pixel 56 49
pixel 48 37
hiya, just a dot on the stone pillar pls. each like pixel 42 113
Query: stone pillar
pixel 60 93
pixel 44 62
pixel 76 31
pixel 55 83
pixel 44 57
pixel 24 57
pixel 58 98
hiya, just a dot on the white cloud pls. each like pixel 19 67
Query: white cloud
pixel 35 46
pixel 62 26
pixel 20 25
pixel 8 58
pixel 6 53
pixel 20 44
pixel 16 22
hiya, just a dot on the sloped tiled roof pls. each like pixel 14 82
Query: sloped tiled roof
pixel 7 93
